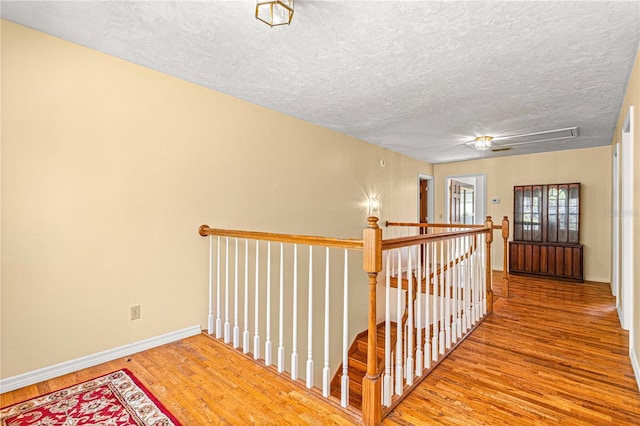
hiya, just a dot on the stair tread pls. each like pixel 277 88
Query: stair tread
pixel 357 362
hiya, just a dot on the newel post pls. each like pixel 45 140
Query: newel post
pixel 505 264
pixel 372 264
pixel 489 271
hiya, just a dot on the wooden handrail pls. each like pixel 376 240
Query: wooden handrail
pixel 504 227
pixel 433 225
pixel 438 225
pixel 427 238
pixel 351 244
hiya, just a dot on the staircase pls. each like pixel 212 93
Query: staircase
pixel 358 365
pixel 358 349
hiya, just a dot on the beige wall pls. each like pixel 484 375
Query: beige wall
pixel 632 98
pixel 109 168
pixel 591 167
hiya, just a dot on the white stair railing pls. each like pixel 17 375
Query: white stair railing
pixel 236 302
pixel 441 287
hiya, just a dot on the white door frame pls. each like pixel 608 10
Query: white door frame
pixel 626 226
pixel 615 225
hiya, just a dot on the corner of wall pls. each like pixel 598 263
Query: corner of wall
pixel 635 363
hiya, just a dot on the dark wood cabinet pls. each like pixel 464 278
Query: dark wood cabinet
pixel 546 234
pixel 553 260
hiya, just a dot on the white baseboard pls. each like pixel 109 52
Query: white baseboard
pixel 46 373
pixel 635 363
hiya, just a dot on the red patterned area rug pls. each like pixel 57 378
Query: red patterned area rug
pixel 116 399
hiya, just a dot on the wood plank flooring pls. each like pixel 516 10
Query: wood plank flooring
pixel 553 353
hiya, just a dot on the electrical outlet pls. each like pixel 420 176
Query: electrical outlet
pixel 135 312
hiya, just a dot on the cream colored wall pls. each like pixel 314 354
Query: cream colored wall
pixel 109 168
pixel 591 167
pixel 632 98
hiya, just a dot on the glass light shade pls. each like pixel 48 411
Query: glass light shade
pixel 374 207
pixel 483 143
pixel 274 12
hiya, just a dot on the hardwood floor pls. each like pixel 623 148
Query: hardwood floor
pixel 552 353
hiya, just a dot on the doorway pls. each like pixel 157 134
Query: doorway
pixel 425 199
pixel 465 200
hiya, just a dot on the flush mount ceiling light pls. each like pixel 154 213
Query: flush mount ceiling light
pixel 274 12
pixel 483 143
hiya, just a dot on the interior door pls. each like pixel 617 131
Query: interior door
pixel 424 201
pixel 455 202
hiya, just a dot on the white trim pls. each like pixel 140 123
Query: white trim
pixel 635 363
pixel 626 296
pixel 46 373
pixel 615 223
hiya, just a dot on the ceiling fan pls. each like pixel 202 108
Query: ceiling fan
pixel 505 143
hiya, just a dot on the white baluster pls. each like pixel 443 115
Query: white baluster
pixel 419 313
pixel 236 325
pixel 326 379
pixel 267 343
pixel 465 276
pixel 484 275
pixel 428 296
pixel 399 371
pixel 473 281
pixel 459 284
pixel 256 336
pixel 245 334
pixel 410 328
pixel 454 291
pixel 227 324
pixel 210 318
pixel 294 351
pixel 281 314
pixel 479 281
pixel 443 296
pixel 310 323
pixel 458 289
pixel 436 292
pixel 387 381
pixel 466 315
pixel 344 392
pixel 218 317
pixel 447 298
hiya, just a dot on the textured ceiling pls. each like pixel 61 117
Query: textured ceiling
pixel 420 78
